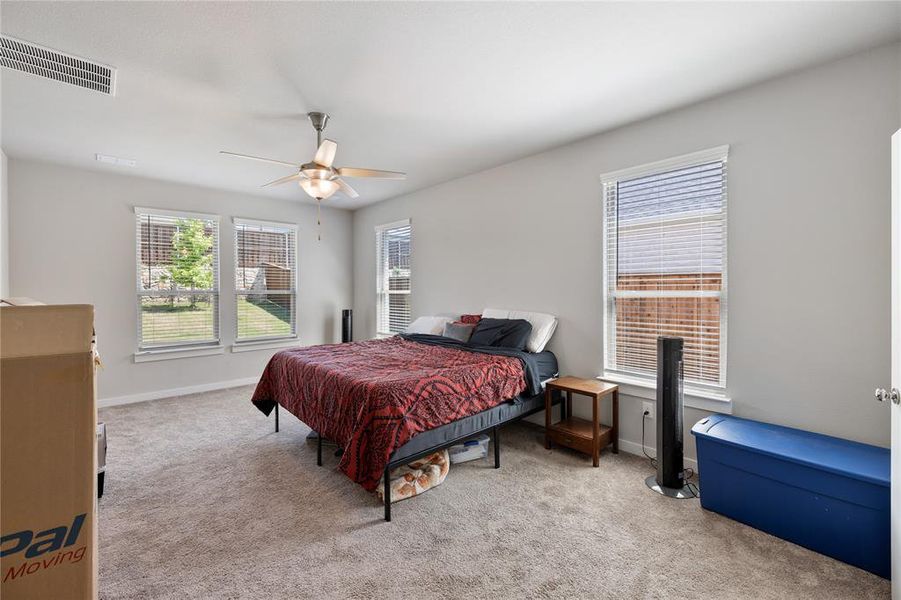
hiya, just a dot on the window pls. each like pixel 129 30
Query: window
pixel 665 266
pixel 265 280
pixel 393 246
pixel 178 279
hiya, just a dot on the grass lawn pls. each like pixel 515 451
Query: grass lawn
pixel 262 318
pixel 163 322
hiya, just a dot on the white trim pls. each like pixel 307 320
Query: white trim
pixel 265 344
pixel 694 398
pixel 685 160
pixel 379 229
pixel 608 350
pixel 635 448
pixel 718 153
pixel 140 292
pixel 171 353
pixel 667 294
pixel 893 412
pixel 394 225
pixel 275 224
pixel 724 281
pixel 143 210
pixel 174 392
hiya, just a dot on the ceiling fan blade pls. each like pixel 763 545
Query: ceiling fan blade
pixel 325 155
pixel 284 180
pixel 355 172
pixel 261 159
pixel 348 191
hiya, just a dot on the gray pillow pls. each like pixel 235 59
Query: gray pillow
pixel 458 331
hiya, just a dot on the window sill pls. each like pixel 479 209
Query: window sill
pixel 172 353
pixel 694 398
pixel 251 345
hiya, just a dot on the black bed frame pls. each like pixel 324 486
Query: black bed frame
pixel 495 439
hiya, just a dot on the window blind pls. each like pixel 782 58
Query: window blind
pixel 177 279
pixel 393 287
pixel 265 280
pixel 665 266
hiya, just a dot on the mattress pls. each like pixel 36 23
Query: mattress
pixel 547 365
pixel 511 410
pixel 462 428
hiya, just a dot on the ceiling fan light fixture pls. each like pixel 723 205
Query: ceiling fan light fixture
pixel 319 188
pixel 319 178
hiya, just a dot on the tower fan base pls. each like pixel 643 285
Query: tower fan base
pixel 680 493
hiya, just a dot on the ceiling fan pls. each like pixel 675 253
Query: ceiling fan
pixel 319 178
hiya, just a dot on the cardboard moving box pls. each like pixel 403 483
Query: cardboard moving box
pixel 48 418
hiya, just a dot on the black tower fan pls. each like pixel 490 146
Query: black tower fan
pixel 670 477
pixel 347 325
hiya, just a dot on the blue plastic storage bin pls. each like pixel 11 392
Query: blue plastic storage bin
pixel 827 494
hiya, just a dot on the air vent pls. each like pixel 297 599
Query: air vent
pixel 44 62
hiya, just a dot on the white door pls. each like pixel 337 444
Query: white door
pixel 895 406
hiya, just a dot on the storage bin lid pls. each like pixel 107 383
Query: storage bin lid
pixel 852 459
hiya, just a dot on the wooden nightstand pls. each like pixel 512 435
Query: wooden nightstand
pixel 585 436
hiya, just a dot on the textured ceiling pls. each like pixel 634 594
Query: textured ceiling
pixel 438 90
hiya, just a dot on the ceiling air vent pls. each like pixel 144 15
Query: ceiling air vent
pixel 44 62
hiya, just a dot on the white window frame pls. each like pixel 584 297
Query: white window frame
pixel 381 294
pixel 189 348
pixel 236 221
pixel 635 382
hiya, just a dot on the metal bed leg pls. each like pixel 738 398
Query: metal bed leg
pixel 276 418
pixel 318 448
pixel 497 448
pixel 388 494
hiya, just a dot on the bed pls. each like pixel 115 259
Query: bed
pixel 388 402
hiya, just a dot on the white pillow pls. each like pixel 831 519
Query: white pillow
pixel 432 325
pixel 543 325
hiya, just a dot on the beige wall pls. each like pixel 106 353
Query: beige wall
pixel 72 237
pixel 809 203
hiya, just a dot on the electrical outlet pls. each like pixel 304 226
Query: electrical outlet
pixel 650 408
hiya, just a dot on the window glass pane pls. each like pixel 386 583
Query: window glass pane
pixel 672 224
pixel 265 315
pixel 168 320
pixel 639 321
pixel 177 263
pixel 176 254
pixel 265 280
pixel 398 312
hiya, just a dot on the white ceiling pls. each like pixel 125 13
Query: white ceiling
pixel 438 90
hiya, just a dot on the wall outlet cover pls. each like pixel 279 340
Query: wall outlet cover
pixel 650 408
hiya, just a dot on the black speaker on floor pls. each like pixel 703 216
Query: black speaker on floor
pixel 670 477
pixel 347 325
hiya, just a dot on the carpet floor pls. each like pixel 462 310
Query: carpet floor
pixel 204 500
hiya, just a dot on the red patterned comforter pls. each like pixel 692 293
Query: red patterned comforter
pixel 372 397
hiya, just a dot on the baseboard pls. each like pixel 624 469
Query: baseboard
pixel 171 392
pixel 635 448
pixel 624 445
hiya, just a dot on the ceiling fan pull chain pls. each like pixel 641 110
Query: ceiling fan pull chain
pixel 319 219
